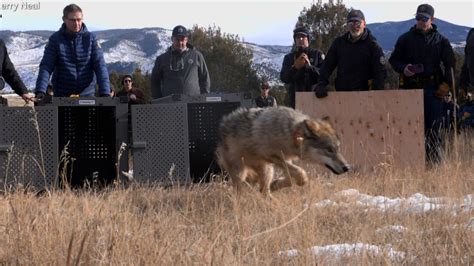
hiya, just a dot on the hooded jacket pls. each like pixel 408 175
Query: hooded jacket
pixel 73 59
pixel 178 72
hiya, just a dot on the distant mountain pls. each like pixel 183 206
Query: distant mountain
pixel 127 49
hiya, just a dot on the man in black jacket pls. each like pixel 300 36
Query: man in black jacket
pixel 300 69
pixel 9 74
pixel 417 56
pixel 358 57
pixel 467 72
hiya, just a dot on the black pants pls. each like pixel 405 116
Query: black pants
pixel 433 108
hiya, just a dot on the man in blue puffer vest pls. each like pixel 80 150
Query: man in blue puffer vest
pixel 73 55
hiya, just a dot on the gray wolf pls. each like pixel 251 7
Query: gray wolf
pixel 253 141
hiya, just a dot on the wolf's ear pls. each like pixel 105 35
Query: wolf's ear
pixel 326 119
pixel 311 126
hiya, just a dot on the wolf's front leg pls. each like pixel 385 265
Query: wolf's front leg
pixel 237 173
pixel 266 173
pixel 292 172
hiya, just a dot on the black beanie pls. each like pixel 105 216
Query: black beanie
pixel 303 31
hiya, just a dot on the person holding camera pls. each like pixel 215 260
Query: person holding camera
pixel 417 57
pixel 300 69
pixel 358 57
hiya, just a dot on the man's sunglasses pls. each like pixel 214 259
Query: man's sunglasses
pixel 354 23
pixel 127 81
pixel 422 18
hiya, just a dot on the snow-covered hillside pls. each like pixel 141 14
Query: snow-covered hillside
pixel 124 50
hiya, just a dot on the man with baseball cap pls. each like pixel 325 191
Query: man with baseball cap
pixel 358 57
pixel 181 69
pixel 300 69
pixel 417 57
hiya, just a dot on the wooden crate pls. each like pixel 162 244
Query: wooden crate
pixel 376 128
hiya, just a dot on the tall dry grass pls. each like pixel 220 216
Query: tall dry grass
pixel 208 224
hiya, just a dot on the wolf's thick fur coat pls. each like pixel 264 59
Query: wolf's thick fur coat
pixel 253 141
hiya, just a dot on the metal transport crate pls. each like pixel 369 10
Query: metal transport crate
pixel 33 142
pixel 174 138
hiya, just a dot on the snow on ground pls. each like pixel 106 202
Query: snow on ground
pixel 358 249
pixel 417 203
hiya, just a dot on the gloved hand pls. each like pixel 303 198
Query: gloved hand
pixel 466 115
pixel 442 90
pixel 320 91
pixel 300 61
pixel 39 96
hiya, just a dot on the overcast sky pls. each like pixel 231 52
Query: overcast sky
pixel 258 21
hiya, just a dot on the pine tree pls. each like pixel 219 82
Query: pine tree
pixel 228 61
pixel 325 21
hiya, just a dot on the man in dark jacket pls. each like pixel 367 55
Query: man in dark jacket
pixel 467 72
pixel 300 69
pixel 358 57
pixel 417 56
pixel 73 55
pixel 9 74
pixel 180 70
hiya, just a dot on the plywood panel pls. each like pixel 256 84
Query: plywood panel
pixel 375 127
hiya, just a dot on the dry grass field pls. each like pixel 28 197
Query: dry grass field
pixel 335 220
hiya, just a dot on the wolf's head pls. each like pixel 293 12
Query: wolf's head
pixel 319 143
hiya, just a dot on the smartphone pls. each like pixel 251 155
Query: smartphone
pixel 418 68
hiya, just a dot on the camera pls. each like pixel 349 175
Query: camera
pixel 300 50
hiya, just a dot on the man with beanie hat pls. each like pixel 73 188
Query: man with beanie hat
pixel 358 57
pixel 180 70
pixel 300 69
pixel 417 57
